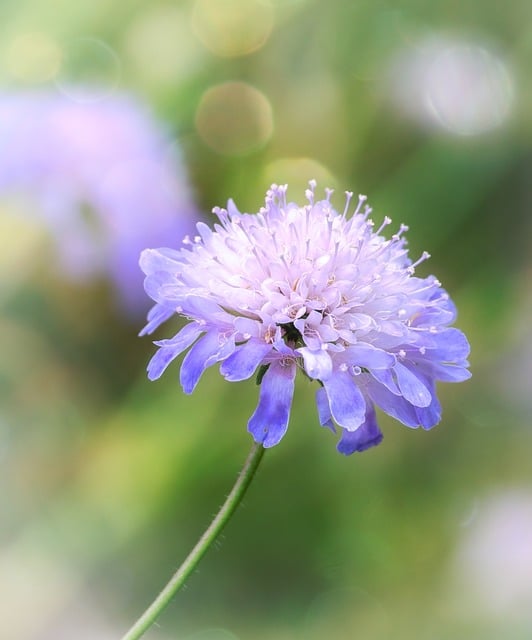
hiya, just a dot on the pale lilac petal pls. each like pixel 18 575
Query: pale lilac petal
pixel 154 286
pixel 170 349
pixel 367 356
pixel 386 378
pixel 429 416
pixel 243 362
pixel 324 410
pixel 346 401
pixel 269 422
pixel 318 364
pixel 160 361
pixel 442 314
pixel 449 372
pixel 210 349
pixel 153 260
pixel 156 316
pixel 201 307
pixel 411 387
pixel 451 346
pixel 393 405
pixel 366 436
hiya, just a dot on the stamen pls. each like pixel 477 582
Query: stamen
pixel 385 223
pixel 397 236
pixel 424 256
pixel 348 196
pixel 361 200
pixel 309 193
pixel 367 211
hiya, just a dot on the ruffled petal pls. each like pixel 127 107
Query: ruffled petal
pixel 170 349
pixel 411 387
pixel 346 401
pixel 269 422
pixel 243 362
pixel 210 349
pixel 366 436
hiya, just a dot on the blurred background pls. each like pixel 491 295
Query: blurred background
pixel 121 125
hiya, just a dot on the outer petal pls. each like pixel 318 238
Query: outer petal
pixel 346 401
pixel 243 362
pixel 269 422
pixel 395 406
pixel 366 436
pixel 386 378
pixel 202 307
pixel 170 349
pixel 156 316
pixel 411 387
pixel 210 349
pixel 324 411
pixel 318 363
pixel 449 372
pixel 154 283
pixel 153 260
pixel 429 416
pixel 368 356
pixel 451 346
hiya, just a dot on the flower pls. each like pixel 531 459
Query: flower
pixel 103 180
pixel 307 287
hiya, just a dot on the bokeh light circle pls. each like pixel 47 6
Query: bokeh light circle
pixel 161 47
pixel 460 86
pixel 33 57
pixel 231 28
pixel 234 118
pixel 90 70
pixel 469 89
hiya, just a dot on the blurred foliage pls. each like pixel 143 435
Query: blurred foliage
pixel 107 480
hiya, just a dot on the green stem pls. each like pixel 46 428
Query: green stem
pixel 203 544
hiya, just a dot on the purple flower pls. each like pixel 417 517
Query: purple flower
pixel 103 178
pixel 305 287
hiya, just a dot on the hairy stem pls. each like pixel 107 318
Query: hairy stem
pixel 211 533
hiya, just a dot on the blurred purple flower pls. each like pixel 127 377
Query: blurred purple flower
pixel 104 177
pixel 307 287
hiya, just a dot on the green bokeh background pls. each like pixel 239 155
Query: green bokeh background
pixel 107 480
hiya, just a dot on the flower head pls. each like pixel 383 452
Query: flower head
pixel 305 287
